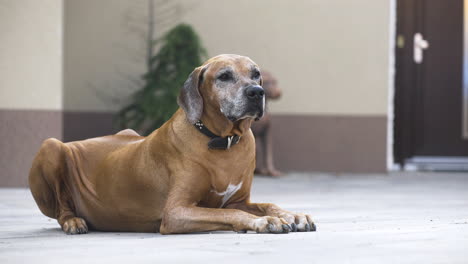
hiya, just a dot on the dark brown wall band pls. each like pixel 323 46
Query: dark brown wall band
pixel 330 143
pixel 21 134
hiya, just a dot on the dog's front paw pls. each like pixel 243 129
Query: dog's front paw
pixel 75 225
pixel 303 223
pixel 300 222
pixel 271 224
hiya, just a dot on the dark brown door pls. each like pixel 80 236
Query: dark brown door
pixel 429 80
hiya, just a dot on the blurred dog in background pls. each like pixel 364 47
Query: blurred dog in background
pixel 262 130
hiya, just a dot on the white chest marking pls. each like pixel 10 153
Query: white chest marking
pixel 228 193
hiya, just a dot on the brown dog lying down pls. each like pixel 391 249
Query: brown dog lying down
pixel 262 130
pixel 193 174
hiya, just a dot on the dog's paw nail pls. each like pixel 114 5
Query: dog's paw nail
pixel 293 227
pixel 313 228
pixel 307 227
pixel 286 228
pixel 242 231
pixel 270 227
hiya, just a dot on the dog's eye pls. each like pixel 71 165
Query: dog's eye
pixel 255 75
pixel 225 77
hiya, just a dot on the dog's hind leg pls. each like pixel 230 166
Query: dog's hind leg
pixel 48 184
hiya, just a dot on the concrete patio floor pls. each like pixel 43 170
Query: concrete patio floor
pixel 394 218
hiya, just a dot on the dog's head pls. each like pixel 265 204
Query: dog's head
pixel 229 84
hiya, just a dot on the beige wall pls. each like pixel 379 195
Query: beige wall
pixel 104 52
pixel 330 56
pixel 31 54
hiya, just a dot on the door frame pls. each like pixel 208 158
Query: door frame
pixel 405 70
pixel 391 164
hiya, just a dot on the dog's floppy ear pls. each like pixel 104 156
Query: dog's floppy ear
pixel 190 98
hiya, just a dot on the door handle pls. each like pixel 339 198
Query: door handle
pixel 420 44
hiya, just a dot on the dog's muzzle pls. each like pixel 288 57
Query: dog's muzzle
pixel 256 100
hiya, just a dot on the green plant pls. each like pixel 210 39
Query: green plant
pixel 180 52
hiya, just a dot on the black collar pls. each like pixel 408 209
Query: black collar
pixel 217 142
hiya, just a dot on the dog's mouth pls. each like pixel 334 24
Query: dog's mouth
pixel 254 110
pixel 235 119
pixel 254 114
pixel 259 116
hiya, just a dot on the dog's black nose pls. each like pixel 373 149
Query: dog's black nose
pixel 255 92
